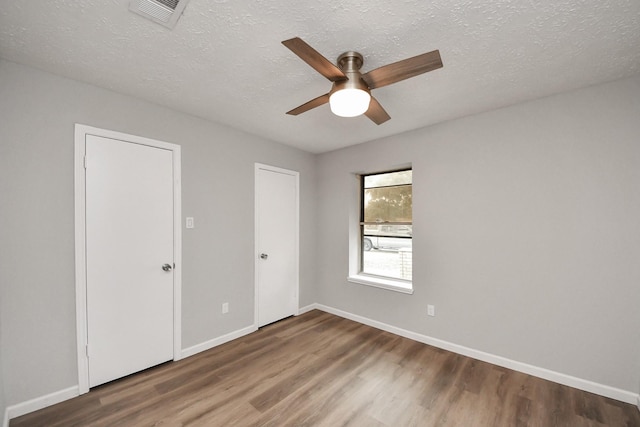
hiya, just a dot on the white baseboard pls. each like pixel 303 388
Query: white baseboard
pixel 217 341
pixel 557 377
pixel 32 405
pixel 308 308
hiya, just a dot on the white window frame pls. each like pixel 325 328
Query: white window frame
pixel 355 244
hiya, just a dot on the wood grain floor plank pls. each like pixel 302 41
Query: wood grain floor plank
pixel 324 394
pixel 322 370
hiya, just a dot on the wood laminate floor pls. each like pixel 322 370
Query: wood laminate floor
pixel 321 370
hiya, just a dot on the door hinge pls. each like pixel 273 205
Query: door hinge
pixel 85 162
pixel 86 348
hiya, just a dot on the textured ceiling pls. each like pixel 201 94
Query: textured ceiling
pixel 224 60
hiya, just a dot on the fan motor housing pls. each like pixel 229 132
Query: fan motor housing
pixel 350 64
pixel 349 61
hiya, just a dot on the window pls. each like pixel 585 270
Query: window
pixel 386 229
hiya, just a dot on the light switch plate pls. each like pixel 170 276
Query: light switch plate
pixel 190 223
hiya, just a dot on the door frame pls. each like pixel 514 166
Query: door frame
pixel 81 131
pixel 296 175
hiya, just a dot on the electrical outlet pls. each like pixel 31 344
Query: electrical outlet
pixel 225 308
pixel 431 310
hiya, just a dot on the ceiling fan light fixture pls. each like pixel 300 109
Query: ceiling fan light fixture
pixel 350 95
pixel 349 102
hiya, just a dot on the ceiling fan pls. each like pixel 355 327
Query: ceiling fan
pixel 350 95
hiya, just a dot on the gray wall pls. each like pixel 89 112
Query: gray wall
pixel 2 367
pixel 526 232
pixel 37 294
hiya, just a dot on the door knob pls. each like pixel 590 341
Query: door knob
pixel 166 267
pixel 264 256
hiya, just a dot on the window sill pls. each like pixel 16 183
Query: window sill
pixel 402 286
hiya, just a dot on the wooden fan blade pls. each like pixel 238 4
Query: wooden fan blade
pixel 402 70
pixel 376 113
pixel 315 59
pixel 316 102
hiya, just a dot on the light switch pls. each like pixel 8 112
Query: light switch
pixel 190 223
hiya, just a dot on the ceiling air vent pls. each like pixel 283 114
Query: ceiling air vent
pixel 163 12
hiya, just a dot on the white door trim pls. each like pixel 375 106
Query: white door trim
pixel 259 166
pixel 80 238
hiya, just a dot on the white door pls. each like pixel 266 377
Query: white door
pixel 276 244
pixel 129 238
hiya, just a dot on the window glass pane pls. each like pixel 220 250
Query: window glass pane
pixel 386 230
pixel 388 204
pixel 389 178
pixel 387 256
